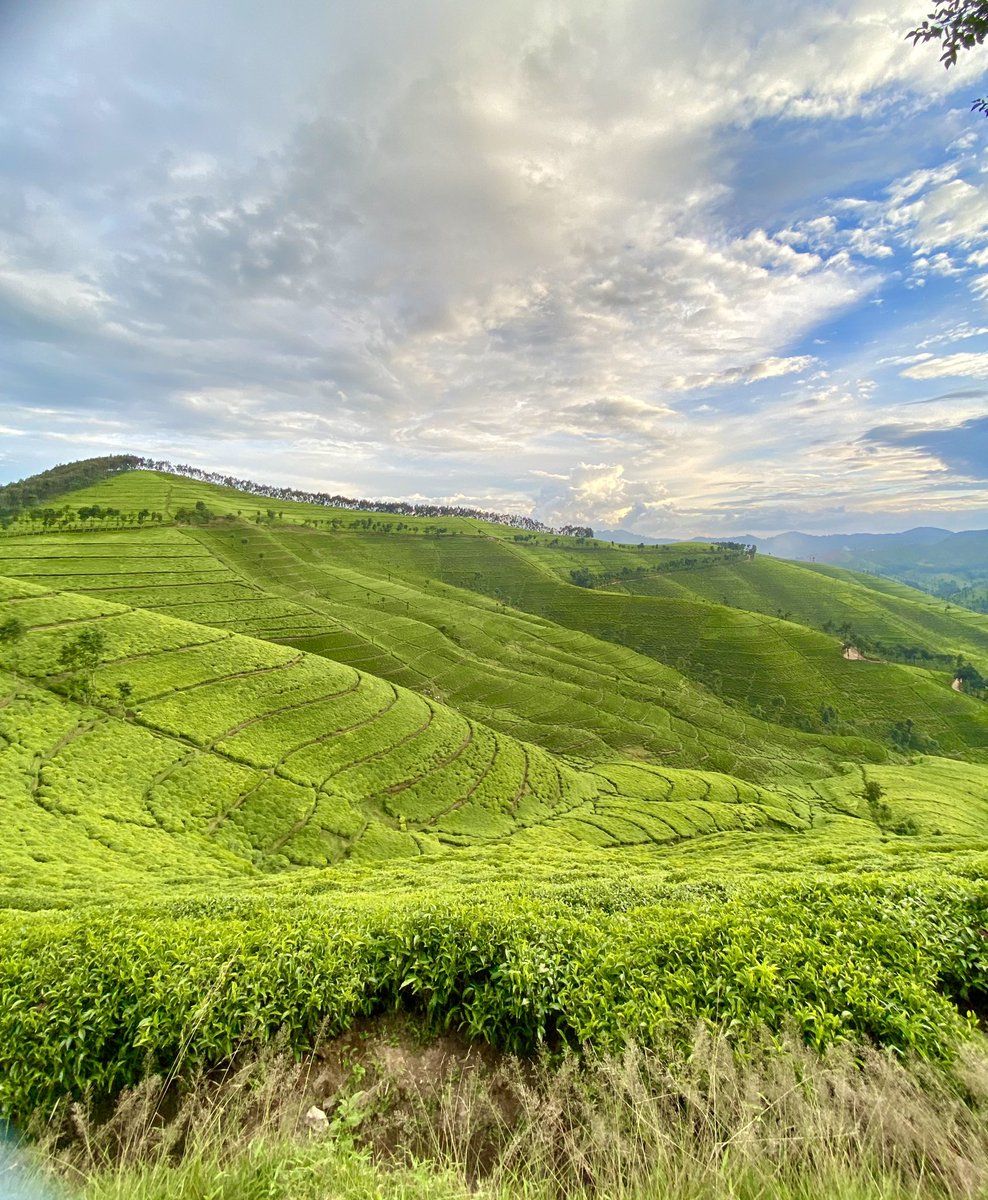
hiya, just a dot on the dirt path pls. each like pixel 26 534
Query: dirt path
pixel 45 757
pixel 213 679
pixel 332 733
pixel 467 796
pixel 396 788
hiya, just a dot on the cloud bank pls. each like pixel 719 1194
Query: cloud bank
pixel 598 262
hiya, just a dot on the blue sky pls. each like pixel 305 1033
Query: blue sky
pixel 686 269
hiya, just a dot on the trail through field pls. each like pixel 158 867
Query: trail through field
pixel 47 756
pixel 270 713
pixel 213 679
pixel 433 820
pixel 333 733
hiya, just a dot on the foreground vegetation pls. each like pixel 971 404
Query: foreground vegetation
pixel 273 771
pixel 93 999
pixel 385 1114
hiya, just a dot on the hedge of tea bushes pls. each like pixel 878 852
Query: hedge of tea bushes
pixel 92 1000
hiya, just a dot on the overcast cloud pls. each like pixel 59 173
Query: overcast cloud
pixel 691 268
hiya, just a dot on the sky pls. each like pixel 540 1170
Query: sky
pixel 684 269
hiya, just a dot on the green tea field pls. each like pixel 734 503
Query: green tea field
pixel 269 769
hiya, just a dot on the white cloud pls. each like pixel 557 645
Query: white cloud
pixel 597 493
pixel 970 366
pixel 772 368
pixel 957 333
pixel 954 214
pixel 56 296
pixel 904 360
pixel 766 368
pixel 479 245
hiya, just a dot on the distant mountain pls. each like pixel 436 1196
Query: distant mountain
pixel 626 537
pixel 841 548
pixel 823 547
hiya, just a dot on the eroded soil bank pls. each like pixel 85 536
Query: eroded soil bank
pixel 383 1110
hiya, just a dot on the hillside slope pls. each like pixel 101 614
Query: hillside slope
pixel 480 615
pixel 562 689
pixel 888 618
pixel 267 774
pixel 250 754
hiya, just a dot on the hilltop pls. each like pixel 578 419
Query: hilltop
pixel 19 498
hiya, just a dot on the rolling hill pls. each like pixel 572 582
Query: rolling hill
pixel 938 561
pixel 230 752
pixel 229 720
pixel 952 566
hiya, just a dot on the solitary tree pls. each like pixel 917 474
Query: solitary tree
pixel 81 656
pixel 873 791
pixel 957 25
pixel 11 630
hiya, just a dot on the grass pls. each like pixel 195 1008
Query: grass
pixel 411 1120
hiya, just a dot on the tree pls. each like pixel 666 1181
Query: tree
pixel 84 651
pixel 81 656
pixel 878 810
pixel 957 25
pixel 12 630
pixel 873 791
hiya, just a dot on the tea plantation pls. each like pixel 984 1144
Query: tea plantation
pixel 268 768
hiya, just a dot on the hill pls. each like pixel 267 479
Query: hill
pixel 838 548
pixel 476 615
pixel 30 500
pixel 953 566
pixel 238 753
pixel 314 763
pixel 38 490
pixel 935 560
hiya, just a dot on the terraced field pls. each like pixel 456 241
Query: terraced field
pixel 452 616
pixel 317 766
pixel 281 757
pixel 775 667
pixel 865 606
pixel 451 644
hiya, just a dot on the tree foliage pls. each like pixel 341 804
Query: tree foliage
pixel 11 630
pixel 66 477
pixel 80 657
pixel 85 651
pixel 957 25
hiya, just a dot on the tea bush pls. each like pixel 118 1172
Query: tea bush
pixel 93 1000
